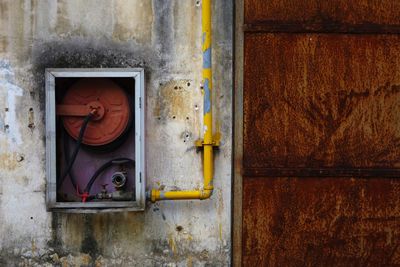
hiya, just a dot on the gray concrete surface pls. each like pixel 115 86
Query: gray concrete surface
pixel 162 36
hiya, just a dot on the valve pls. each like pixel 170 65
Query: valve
pixel 84 196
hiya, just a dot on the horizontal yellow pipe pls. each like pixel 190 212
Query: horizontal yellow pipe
pixel 208 142
pixel 157 195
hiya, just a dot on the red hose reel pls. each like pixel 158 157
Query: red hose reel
pixel 108 103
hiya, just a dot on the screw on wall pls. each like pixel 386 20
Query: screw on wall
pixel 31 119
pixel 198 3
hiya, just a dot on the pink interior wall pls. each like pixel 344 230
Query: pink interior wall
pixel 87 162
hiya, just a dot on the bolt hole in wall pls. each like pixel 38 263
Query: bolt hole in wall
pixel 20 158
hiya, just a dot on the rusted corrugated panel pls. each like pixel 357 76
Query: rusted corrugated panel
pixel 316 15
pixel 321 222
pixel 321 100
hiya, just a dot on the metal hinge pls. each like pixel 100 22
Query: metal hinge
pixel 140 177
pixel 140 102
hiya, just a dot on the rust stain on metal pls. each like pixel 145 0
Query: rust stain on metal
pixel 315 12
pixel 321 104
pixel 317 100
pixel 321 222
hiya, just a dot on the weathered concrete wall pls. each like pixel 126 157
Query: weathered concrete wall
pixel 163 36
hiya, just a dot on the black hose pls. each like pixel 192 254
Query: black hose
pixel 70 162
pixel 104 167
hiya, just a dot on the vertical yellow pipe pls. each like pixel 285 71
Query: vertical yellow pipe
pixel 208 141
pixel 207 85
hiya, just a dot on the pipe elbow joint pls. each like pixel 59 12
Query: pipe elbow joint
pixel 206 193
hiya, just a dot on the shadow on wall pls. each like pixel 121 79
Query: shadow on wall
pixel 85 54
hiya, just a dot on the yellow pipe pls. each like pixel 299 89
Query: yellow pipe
pixel 157 195
pixel 208 142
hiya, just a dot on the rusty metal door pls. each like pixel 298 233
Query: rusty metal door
pixel 321 133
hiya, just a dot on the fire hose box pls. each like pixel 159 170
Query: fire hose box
pixel 95 156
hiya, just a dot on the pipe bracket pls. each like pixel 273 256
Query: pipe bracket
pixel 216 141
